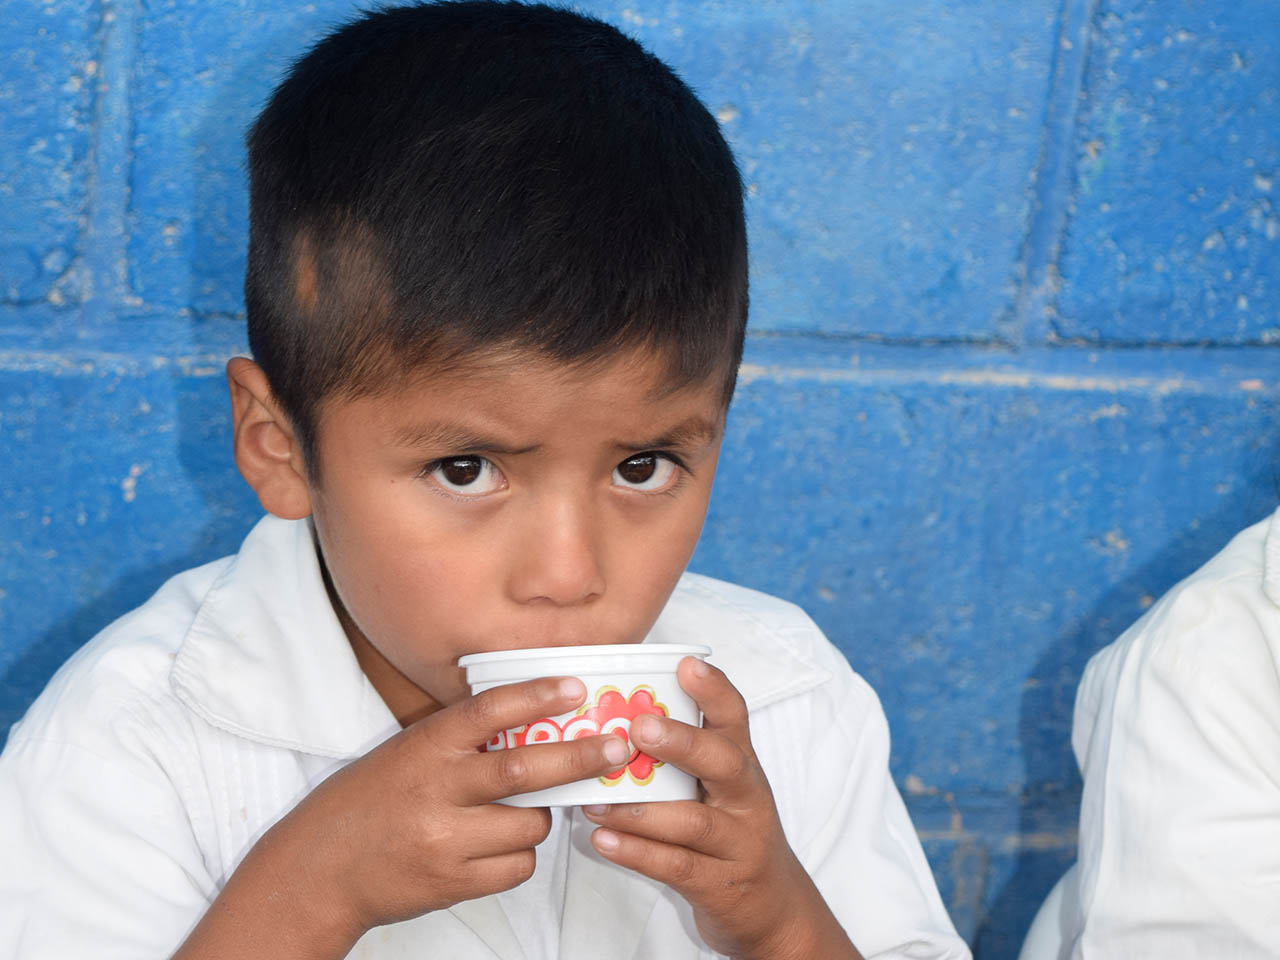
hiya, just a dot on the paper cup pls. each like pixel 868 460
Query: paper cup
pixel 623 681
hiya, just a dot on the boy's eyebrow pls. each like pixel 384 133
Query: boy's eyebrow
pixel 441 436
pixel 693 432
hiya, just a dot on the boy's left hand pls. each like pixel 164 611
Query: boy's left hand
pixel 726 854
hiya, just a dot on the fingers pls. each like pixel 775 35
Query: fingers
pixel 678 867
pixel 721 704
pixel 509 830
pixel 683 823
pixel 502 872
pixel 725 768
pixel 475 720
pixel 504 773
pixel 488 776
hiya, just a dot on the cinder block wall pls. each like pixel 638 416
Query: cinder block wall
pixel 1011 373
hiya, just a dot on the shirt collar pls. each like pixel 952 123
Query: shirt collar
pixel 266 658
pixel 761 643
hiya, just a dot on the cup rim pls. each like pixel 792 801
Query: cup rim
pixel 587 650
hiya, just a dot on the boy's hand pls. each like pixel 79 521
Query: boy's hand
pixel 408 828
pixel 726 855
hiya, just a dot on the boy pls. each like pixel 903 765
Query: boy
pixel 496 295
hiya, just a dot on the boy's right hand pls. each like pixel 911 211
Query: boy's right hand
pixel 409 828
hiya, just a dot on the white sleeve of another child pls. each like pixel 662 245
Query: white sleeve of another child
pixel 861 848
pixel 1180 817
pixel 98 857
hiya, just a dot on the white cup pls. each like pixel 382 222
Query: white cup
pixel 623 680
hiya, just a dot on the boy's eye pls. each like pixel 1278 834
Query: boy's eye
pixel 645 471
pixel 468 476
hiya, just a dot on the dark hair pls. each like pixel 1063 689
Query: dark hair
pixel 434 180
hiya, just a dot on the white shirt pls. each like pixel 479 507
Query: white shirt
pixel 1177 732
pixel 166 746
pixel 535 909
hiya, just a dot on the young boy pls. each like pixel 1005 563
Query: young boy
pixel 496 295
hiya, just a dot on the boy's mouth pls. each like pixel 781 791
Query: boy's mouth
pixel 558 641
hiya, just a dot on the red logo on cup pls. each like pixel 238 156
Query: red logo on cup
pixel 610 713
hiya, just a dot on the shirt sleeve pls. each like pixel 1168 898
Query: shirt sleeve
pixel 99 857
pixel 854 835
pixel 1178 737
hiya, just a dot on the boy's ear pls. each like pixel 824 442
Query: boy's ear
pixel 267 451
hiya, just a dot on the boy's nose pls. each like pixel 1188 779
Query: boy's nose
pixel 558 557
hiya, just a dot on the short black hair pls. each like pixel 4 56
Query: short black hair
pixel 433 180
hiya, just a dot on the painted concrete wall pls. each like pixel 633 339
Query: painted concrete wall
pixel 1012 370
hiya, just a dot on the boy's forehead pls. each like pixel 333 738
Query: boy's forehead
pixel 637 372
pixel 521 399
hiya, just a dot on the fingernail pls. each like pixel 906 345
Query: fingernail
pixel 606 840
pixel 644 728
pixel 595 810
pixel 615 751
pixel 572 688
pixel 700 668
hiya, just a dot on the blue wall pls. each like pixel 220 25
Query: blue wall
pixel 1011 374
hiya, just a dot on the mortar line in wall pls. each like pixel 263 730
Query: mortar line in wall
pixel 93 362
pixel 1055 174
pixel 103 240
pixel 1062 346
pixel 1016 379
pixel 98 92
pixel 139 13
pixel 855 337
pixel 950 363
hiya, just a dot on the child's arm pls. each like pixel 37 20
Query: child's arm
pixel 1177 730
pixel 727 856
pixel 407 829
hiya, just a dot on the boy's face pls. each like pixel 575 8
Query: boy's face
pixel 509 502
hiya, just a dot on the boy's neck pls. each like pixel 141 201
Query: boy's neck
pixel 406 701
